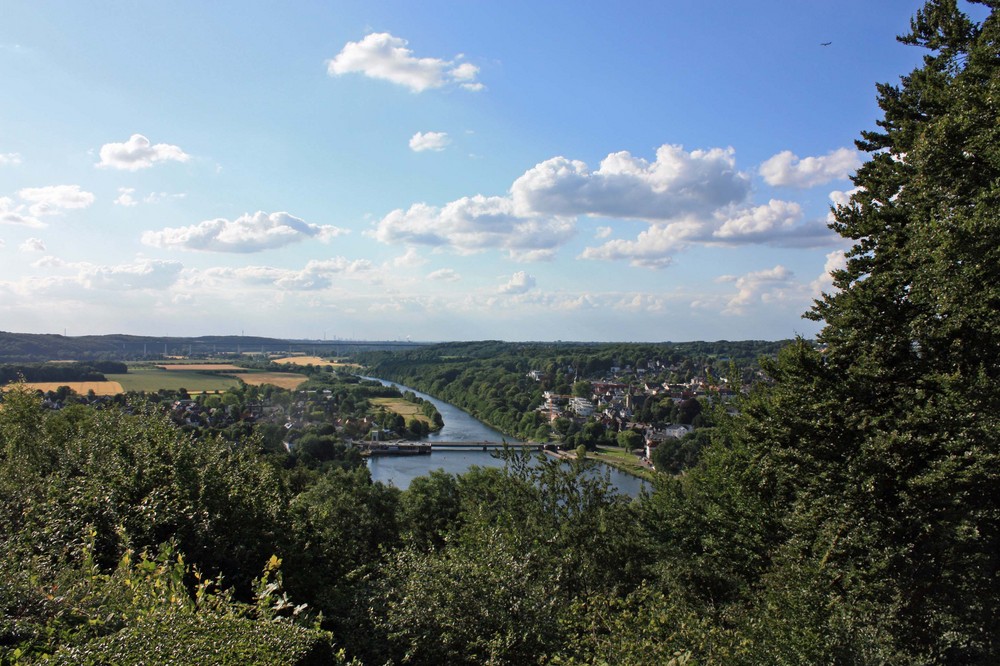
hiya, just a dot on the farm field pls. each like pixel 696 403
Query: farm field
pixel 404 408
pixel 179 367
pixel 99 388
pixel 151 379
pixel 313 360
pixel 285 380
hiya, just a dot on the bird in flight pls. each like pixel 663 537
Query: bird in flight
pixel 825 43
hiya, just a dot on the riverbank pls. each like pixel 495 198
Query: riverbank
pixel 621 460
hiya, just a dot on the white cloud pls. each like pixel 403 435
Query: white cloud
pixel 757 286
pixel 519 283
pixel 696 197
pixel 678 183
pixel 653 248
pixel 125 197
pixel 48 261
pixel 429 141
pixel 11 213
pixel 51 199
pixel 143 274
pixel 444 275
pixel 139 153
pixel 788 170
pixel 157 197
pixel 32 245
pixel 761 221
pixel 248 233
pixel 409 259
pixel 10 159
pixel 383 56
pixel 316 275
pixel 823 284
pixel 473 224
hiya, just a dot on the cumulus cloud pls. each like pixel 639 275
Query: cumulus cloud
pixel 10 159
pixel 472 224
pixel 32 245
pixel 444 275
pixel 11 213
pixel 422 141
pixel 519 283
pixel 756 286
pixel 653 248
pixel 786 169
pixel 685 197
pixel 383 56
pixel 248 233
pixel 676 184
pixel 52 199
pixel 125 197
pixel 761 222
pixel 823 284
pixel 139 153
pixel 409 259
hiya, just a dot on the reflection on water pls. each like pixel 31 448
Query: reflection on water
pixel 400 470
pixel 460 427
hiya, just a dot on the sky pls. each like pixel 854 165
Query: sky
pixel 559 170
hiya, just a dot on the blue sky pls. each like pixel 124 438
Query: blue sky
pixel 435 170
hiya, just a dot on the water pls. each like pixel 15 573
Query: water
pixel 461 427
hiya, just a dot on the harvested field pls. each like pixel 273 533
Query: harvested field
pixel 285 380
pixel 175 367
pixel 99 388
pixel 313 360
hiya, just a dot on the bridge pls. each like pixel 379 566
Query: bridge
pixel 408 448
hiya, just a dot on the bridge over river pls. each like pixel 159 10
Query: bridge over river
pixel 407 448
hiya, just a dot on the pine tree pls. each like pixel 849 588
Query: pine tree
pixel 870 469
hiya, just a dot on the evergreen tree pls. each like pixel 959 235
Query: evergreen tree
pixel 870 469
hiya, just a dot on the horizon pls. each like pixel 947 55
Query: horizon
pixel 433 172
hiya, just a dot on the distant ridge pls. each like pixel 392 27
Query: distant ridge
pixel 36 347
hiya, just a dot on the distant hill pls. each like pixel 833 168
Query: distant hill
pixel 35 347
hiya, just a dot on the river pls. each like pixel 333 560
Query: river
pixel 459 426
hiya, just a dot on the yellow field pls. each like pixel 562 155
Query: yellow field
pixel 99 388
pixel 200 366
pixel 285 380
pixel 313 360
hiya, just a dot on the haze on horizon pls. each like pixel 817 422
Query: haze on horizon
pixel 437 171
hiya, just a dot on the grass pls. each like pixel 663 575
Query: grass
pixel 151 379
pixel 404 408
pixel 214 367
pixel 624 460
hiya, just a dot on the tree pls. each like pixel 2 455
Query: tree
pixel 629 439
pixel 862 482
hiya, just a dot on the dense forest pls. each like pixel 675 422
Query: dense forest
pixel 847 513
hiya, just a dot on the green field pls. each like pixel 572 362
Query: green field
pixel 151 379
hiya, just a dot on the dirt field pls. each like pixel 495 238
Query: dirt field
pixel 285 380
pixel 99 388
